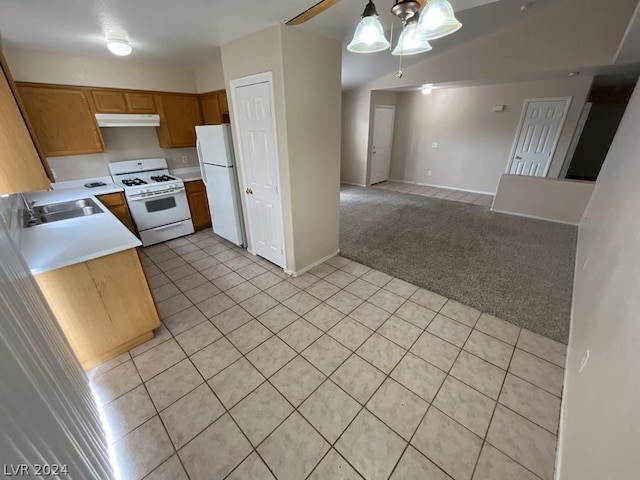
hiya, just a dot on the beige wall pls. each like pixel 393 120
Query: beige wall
pixel 552 199
pixel 571 35
pixel 258 53
pixel 209 78
pixel 312 76
pixel 46 67
pixel 357 124
pixel 474 142
pixel 356 114
pixel 306 82
pixel 600 428
pixel 122 144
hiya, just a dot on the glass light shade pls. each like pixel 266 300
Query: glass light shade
pixel 120 48
pixel 437 20
pixel 369 37
pixel 411 41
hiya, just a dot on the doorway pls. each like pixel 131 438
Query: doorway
pixel 537 136
pixel 255 129
pixel 382 140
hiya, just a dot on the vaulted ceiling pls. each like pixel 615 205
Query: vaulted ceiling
pixel 188 33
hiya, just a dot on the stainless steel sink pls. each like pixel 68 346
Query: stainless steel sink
pixel 65 206
pixel 56 212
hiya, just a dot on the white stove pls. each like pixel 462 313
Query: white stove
pixel 157 201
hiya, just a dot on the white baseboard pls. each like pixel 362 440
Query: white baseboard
pixel 314 264
pixel 442 186
pixel 536 217
pixel 354 184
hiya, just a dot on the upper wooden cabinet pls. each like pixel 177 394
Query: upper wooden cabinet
pixel 179 114
pixel 140 102
pixel 119 101
pixel 21 169
pixel 62 118
pixel 215 108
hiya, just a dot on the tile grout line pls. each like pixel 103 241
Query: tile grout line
pixel 406 299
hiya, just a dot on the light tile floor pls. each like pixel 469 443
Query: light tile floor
pixel 343 372
pixel 437 192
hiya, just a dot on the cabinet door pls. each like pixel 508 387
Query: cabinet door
pixel 62 119
pixel 179 115
pixel 211 109
pixel 198 204
pixel 138 102
pixel 20 166
pixel 117 205
pixel 224 105
pixel 109 101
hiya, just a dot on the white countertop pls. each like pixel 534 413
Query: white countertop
pixel 60 244
pixel 109 186
pixel 187 174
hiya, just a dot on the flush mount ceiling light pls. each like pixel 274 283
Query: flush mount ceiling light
pixel 119 46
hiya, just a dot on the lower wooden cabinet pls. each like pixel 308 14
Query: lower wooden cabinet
pixel 117 205
pixel 198 204
pixel 104 306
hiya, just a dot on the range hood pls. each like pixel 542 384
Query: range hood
pixel 127 120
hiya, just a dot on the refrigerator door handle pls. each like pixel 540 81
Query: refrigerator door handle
pixel 202 169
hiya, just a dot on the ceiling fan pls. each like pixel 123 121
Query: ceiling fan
pixel 420 25
pixel 402 9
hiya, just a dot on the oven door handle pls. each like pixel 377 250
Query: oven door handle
pixel 164 227
pixel 151 197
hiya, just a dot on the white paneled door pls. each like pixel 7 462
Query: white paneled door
pixel 383 117
pixel 537 137
pixel 258 154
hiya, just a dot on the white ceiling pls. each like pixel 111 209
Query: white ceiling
pixel 188 33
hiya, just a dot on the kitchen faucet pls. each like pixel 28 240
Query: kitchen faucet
pixel 30 216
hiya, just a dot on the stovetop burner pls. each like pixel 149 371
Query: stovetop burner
pixel 133 182
pixel 162 178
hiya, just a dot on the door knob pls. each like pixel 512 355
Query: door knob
pixel 249 191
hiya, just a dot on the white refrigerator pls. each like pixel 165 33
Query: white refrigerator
pixel 217 164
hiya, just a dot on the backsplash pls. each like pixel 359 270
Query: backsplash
pixel 122 144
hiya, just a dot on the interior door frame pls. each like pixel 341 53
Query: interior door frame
pixel 373 131
pixel 527 101
pixel 264 77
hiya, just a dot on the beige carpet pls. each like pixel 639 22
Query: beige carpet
pixel 516 268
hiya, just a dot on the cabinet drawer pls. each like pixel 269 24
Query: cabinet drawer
pixel 194 186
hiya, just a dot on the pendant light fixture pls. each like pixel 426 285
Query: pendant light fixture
pixel 438 20
pixel 369 36
pixel 411 40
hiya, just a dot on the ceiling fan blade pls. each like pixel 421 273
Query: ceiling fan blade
pixel 308 14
